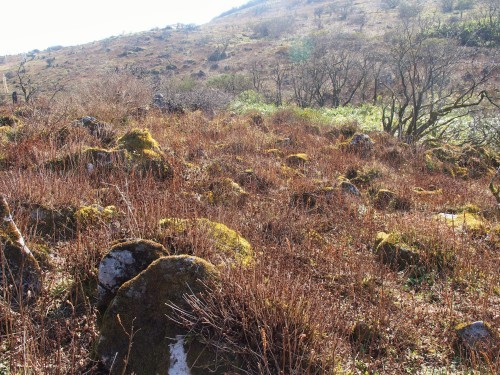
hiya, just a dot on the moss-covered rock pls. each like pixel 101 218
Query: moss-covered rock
pixel 465 162
pixel 360 144
pixel 226 191
pixel 101 130
pixel 91 215
pixel 138 141
pixel 145 154
pixel 348 187
pixel 122 262
pixel 387 199
pixel 20 274
pixel 137 152
pixel 53 222
pixel 464 221
pixel 297 160
pixel 139 315
pixel 216 241
pixel 10 121
pixel 393 251
pixel 403 253
pixel 477 339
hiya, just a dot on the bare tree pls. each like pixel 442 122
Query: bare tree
pixel 25 82
pixel 424 94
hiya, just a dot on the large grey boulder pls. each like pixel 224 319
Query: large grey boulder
pixel 138 334
pixel 124 261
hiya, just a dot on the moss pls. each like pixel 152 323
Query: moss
pixel 226 191
pixel 226 242
pixel 464 221
pixel 93 214
pixel 229 241
pixel 297 160
pixel 138 141
pixel 404 253
pixel 275 152
pixel 422 192
pixel 9 121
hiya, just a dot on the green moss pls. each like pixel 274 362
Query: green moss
pixel 91 215
pixel 226 191
pixel 229 241
pixel 222 239
pixel 296 160
pixel 138 141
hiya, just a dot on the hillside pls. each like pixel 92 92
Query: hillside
pixel 264 194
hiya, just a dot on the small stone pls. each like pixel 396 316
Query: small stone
pixel 477 337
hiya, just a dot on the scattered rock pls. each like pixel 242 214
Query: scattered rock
pixel 55 223
pixel 477 338
pixel 464 222
pixel 392 251
pixel 101 130
pixel 226 191
pixel 360 143
pixel 123 262
pixel 20 274
pixel 297 160
pixel 140 314
pixel 216 241
pixel 348 187
pixel 387 199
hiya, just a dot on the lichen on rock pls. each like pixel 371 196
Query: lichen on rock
pixel 219 243
pixel 140 314
pixel 122 262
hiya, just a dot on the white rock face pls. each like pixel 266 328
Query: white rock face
pixel 112 268
pixel 178 358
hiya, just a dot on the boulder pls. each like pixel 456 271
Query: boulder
pixel 226 191
pixel 20 274
pixel 297 160
pixel 124 261
pixel 217 242
pixel 137 332
pixel 392 251
pixel 53 222
pixel 477 338
pixel 101 130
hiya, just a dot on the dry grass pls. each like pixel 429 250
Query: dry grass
pixel 315 275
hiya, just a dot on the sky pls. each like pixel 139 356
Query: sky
pixel 39 24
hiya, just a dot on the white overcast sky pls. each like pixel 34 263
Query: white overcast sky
pixel 37 24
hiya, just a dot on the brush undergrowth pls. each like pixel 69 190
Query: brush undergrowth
pixel 318 300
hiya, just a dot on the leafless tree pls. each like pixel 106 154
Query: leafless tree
pixel 425 95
